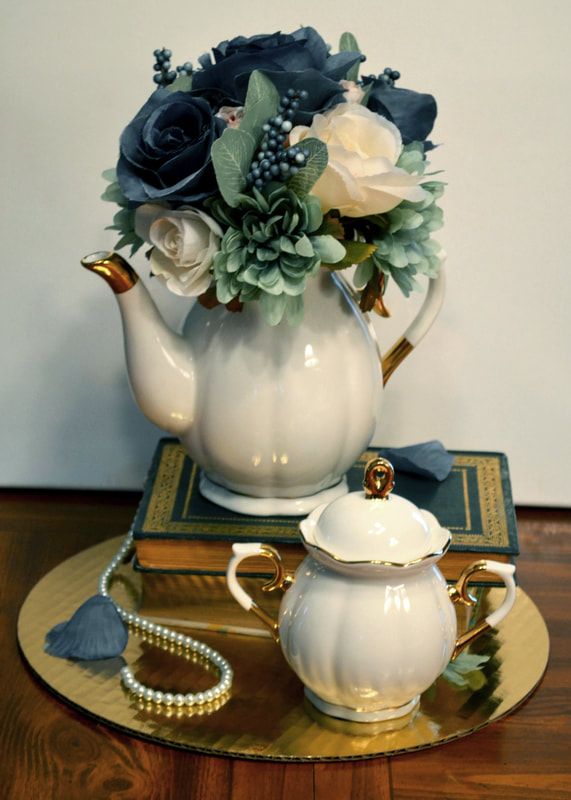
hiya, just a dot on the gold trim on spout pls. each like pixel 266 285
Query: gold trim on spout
pixel 113 268
pixel 394 357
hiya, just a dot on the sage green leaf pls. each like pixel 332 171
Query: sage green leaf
pixel 303 182
pixel 113 194
pixel 329 249
pixel 348 42
pixel 363 273
pixel 231 156
pixel 262 102
pixel 294 310
pixel 181 84
pixel 273 307
pixel 303 247
pixel 109 175
pixel 355 252
pixel 314 213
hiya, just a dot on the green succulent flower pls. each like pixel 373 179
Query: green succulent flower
pixel 270 249
pixel 405 247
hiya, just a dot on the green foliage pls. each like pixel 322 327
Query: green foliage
pixel 466 671
pixel 269 250
pixel 303 182
pixel 403 236
pixel 232 153
pixel 183 83
pixel 261 103
pixel 231 156
pixel 348 42
pixel 124 219
pixel 355 253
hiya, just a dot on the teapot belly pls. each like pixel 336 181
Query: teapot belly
pixel 367 644
pixel 283 412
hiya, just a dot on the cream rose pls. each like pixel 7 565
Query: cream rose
pixel 185 243
pixel 361 176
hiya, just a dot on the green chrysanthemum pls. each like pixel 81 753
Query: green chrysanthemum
pixel 404 244
pixel 270 249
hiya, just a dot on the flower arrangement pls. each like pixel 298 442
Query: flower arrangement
pixel 273 160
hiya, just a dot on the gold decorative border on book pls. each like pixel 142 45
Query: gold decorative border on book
pixel 158 517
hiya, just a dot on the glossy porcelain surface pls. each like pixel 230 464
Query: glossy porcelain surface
pixel 368 622
pixel 371 643
pixel 271 414
pixel 267 412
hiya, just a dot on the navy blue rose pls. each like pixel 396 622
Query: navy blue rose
pixel 289 59
pixel 412 112
pixel 165 150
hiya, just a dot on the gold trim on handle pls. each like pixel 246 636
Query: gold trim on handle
pixel 394 357
pixel 281 580
pixel 459 594
pixel 113 268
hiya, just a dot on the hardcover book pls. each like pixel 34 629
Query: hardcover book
pixel 177 530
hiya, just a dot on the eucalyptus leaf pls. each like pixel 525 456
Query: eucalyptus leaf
pixel 355 252
pixel 231 156
pixel 363 273
pixel 109 175
pixel 303 182
pixel 273 307
pixel 113 194
pixel 329 249
pixel 181 84
pixel 349 43
pixel 261 103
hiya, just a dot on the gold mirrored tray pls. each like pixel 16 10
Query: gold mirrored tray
pixel 266 716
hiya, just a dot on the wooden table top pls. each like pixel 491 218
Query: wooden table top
pixel 49 750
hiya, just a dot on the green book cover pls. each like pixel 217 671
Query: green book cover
pixel 474 502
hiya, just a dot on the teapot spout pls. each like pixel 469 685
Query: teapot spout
pixel 159 362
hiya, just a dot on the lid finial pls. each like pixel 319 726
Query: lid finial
pixel 379 478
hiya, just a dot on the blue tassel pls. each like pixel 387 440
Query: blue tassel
pixel 429 459
pixel 95 631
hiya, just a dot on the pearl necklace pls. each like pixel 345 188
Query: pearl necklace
pixel 180 640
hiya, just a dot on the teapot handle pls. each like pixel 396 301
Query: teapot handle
pixel 281 580
pixel 418 328
pixel 459 594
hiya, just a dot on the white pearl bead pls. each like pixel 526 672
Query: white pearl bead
pixel 151 627
pixel 158 697
pixel 179 700
pixel 168 699
pixel 149 694
pixel 199 697
pixel 189 699
pixel 208 696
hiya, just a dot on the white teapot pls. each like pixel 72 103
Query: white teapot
pixel 367 622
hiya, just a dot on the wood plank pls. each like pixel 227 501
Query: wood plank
pixel 357 780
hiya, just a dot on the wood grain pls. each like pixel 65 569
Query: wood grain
pixel 50 751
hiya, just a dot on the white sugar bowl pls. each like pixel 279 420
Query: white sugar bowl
pixel 368 622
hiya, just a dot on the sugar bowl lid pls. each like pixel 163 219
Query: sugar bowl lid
pixel 375 526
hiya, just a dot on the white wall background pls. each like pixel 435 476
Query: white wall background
pixel 495 371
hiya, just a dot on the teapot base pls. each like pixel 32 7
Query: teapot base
pixel 357 715
pixel 268 506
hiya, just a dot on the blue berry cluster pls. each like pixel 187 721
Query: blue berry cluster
pixel 389 76
pixel 275 161
pixel 164 75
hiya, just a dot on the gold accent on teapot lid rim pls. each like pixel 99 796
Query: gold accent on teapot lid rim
pixel 377 562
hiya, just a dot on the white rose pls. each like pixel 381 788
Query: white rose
pixel 185 243
pixel 361 177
